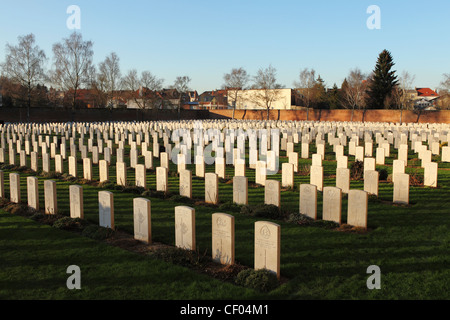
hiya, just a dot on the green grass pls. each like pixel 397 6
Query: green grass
pixel 410 244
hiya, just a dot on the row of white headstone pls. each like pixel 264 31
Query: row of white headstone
pixel 267 234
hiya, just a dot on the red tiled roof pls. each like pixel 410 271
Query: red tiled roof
pixel 426 92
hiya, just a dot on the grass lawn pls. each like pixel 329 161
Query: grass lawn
pixel 410 244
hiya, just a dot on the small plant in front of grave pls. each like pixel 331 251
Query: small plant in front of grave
pixel 262 280
pixel 68 223
pixel 179 198
pixel 304 169
pixel 133 189
pixel 357 170
pixel 21 209
pixel 231 206
pixel 173 174
pixel 4 201
pixel 268 211
pixel 97 232
pixel 50 175
pixel 38 216
pixel 156 194
pixel 382 174
pixel 43 218
pixel 107 185
pixel 68 177
pixel 300 219
pixel 180 256
pixel 325 224
pixel 415 178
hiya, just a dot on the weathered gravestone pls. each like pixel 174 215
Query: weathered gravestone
pixel 76 201
pixel 2 184
pixel 121 173
pixel 332 204
pixel 87 169
pixel 223 238
pixel 211 188
pixel 445 155
pixel 142 219
pixel 260 173
pixel 240 190
pixel 46 162
pixel 186 183
pixel 33 192
pixel 272 193
pixel 267 246
pixel 51 206
pixel 371 182
pixel 316 177
pixel 357 208
pixel 106 209
pixel 430 174
pixel 140 176
pixel 287 175
pixel 343 179
pixel 14 187
pixel 401 188
pixel 162 179
pixel 73 166
pixel 398 166
pixel 185 227
pixel 308 200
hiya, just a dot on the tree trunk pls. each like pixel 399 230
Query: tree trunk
pixel 74 99
pixel 401 114
pixel 28 106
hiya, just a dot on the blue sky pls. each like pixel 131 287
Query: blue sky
pixel 206 39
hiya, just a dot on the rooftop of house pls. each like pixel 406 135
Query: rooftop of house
pixel 426 92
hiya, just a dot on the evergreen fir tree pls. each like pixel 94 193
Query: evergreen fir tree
pixel 320 95
pixel 334 98
pixel 383 81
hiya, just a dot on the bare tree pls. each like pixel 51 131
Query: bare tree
pixel 445 84
pixel 236 80
pixel 306 83
pixel 109 76
pixel 265 81
pixel 130 84
pixel 181 84
pixel 152 85
pixel 405 83
pixel 142 89
pixel 24 64
pixel 354 91
pixel 72 63
pixel 444 90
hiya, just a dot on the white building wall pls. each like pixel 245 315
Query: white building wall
pixel 253 99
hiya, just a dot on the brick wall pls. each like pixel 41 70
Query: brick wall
pixel 93 115
pixel 337 115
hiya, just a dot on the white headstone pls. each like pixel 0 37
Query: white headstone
pixel 267 246
pixel 106 209
pixel 357 208
pixel 51 206
pixel 185 227
pixel 142 219
pixel 332 204
pixel 223 238
pixel 76 201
